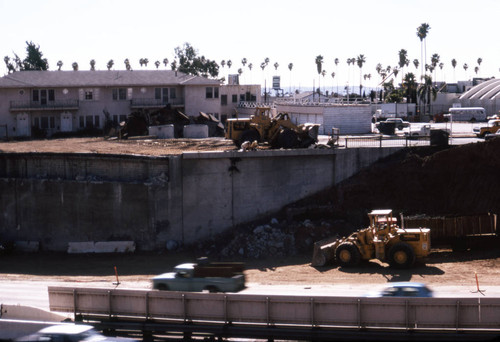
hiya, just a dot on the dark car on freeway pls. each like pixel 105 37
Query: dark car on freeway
pixel 404 289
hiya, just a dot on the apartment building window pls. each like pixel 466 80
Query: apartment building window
pixel 212 92
pixel 223 100
pixel 43 96
pixel 90 94
pixel 119 94
pixel 234 98
pixel 89 121
pixel 161 94
pixel 44 122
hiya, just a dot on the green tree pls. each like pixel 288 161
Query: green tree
pixel 427 92
pixel 422 32
pixel 435 61
pixel 191 64
pixel 360 60
pixel 34 60
pixel 410 87
pixel 454 65
pixel 403 60
pixel 319 67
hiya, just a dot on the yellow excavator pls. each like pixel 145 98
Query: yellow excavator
pixel 279 130
pixel 383 240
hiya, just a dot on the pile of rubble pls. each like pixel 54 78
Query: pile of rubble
pixel 275 239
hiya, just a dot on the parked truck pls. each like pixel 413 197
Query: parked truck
pixel 492 128
pixel 203 276
pixel 383 239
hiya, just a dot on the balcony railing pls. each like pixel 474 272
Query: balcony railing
pixel 155 103
pixel 50 105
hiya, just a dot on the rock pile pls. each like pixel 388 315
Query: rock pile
pixel 273 239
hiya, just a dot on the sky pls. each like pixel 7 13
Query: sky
pixel 283 31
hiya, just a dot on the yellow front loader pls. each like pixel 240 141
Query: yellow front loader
pixel 383 240
pixel 278 131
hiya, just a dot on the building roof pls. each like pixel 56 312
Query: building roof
pixel 489 90
pixel 100 78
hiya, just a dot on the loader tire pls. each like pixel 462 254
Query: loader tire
pixel 347 255
pixel 249 135
pixel 401 255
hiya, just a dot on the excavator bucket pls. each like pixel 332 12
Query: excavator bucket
pixel 324 252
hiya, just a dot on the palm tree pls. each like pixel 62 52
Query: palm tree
pixel 333 76
pixel 395 71
pixel 360 61
pixel 319 67
pixel 479 61
pixel 146 61
pixel 92 64
pixel 465 68
pixel 410 87
pixel 250 66
pixel 229 63
pixel 336 61
pixel 127 64
pixel 427 92
pixel 454 65
pixel 263 66
pixel 290 67
pixel 323 73
pixel 59 64
pixel 434 62
pixel 422 32
pixel 244 62
pixel 403 60
pixel 349 61
pixel 75 66
pixel 476 69
pixel 157 64
pixel 276 65
pixel 110 64
pixel 416 63
pixel 222 63
pixel 165 62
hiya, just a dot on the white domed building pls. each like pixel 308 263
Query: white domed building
pixel 485 94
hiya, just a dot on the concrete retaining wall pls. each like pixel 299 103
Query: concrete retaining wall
pixel 57 199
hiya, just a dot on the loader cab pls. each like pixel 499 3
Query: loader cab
pixel 382 222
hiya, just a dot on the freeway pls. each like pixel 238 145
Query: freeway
pixel 35 294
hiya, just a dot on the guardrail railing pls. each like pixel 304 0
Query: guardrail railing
pixel 280 310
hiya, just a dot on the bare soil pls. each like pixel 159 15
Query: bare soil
pixel 433 181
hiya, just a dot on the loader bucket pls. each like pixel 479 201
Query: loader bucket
pixel 324 252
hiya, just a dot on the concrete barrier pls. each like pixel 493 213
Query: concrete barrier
pixel 196 131
pixel 101 247
pixel 162 131
pixel 27 246
pixel 114 247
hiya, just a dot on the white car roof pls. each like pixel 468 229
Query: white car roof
pixel 68 329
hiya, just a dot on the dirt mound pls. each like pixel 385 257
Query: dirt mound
pixel 456 180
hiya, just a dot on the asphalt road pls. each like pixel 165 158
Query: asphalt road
pixel 35 293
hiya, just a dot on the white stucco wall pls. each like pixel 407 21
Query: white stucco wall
pixel 196 102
